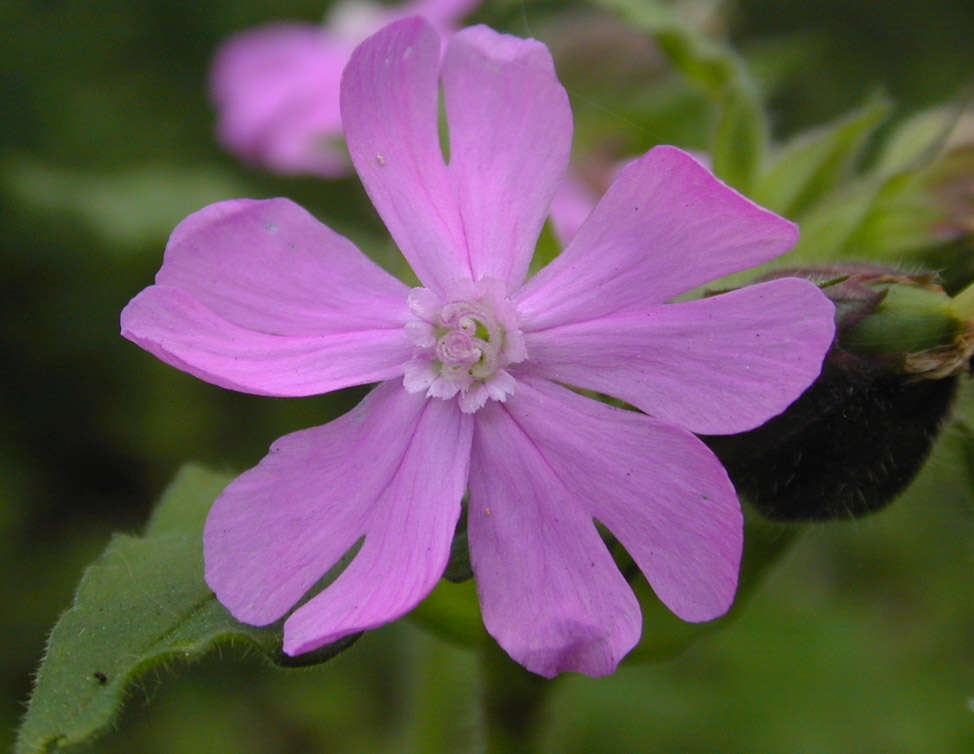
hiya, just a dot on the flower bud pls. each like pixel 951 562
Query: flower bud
pixel 857 437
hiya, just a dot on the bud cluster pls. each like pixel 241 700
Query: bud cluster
pixel 857 437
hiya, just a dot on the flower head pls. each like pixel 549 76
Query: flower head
pixel 275 87
pixel 258 296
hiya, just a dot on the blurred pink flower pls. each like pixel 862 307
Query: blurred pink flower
pixel 258 296
pixel 275 87
pixel 571 205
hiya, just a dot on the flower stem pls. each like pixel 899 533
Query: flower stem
pixel 443 695
pixel 513 703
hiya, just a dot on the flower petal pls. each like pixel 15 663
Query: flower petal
pixel 259 296
pixel 550 593
pixel 510 136
pixel 275 88
pixel 389 109
pixel 660 491
pixel 173 326
pixel 415 504
pixel 665 226
pixel 715 365
pixel 279 527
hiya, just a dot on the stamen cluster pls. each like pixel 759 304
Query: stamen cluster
pixel 464 344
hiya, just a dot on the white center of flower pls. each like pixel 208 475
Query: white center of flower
pixel 463 344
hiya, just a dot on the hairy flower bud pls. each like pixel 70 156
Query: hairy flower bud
pixel 857 437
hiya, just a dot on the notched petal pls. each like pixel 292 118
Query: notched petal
pixel 278 527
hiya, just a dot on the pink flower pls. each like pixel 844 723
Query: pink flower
pixel 275 87
pixel 258 296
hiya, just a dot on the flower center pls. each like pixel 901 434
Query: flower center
pixel 463 344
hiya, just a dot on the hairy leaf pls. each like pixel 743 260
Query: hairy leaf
pixel 141 605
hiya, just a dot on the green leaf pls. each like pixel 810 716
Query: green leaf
pixel 917 140
pixel 125 209
pixel 826 229
pixel 547 248
pixel 901 220
pixel 140 606
pixel 740 138
pixel 700 59
pixel 814 163
pixel 740 132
